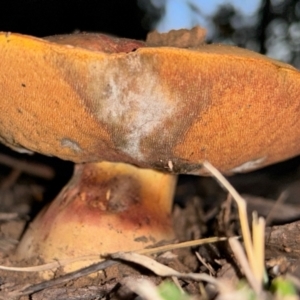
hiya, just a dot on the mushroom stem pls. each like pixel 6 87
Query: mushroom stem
pixel 106 207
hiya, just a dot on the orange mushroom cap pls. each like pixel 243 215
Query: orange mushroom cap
pixel 161 108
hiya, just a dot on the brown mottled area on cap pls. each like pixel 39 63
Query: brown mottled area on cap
pixel 182 38
pixel 97 42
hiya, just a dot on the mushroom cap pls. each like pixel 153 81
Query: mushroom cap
pixel 161 108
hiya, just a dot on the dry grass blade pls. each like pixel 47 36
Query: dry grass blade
pixel 48 266
pixel 208 266
pixel 181 245
pixel 241 208
pixel 281 199
pixel 8 216
pixel 27 290
pixel 162 270
pixel 258 227
pixel 177 283
pixel 61 263
pixel 252 248
pixel 31 168
pixel 239 254
pixel 147 262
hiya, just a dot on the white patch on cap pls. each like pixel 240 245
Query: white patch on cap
pixel 133 100
pixel 249 165
pixel 68 143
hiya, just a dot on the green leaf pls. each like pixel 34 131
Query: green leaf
pixel 169 291
pixel 283 287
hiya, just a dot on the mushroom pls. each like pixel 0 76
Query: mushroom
pixel 105 208
pixel 136 118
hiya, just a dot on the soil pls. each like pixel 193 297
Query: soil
pixel 202 209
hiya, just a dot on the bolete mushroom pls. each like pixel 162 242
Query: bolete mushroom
pixel 158 111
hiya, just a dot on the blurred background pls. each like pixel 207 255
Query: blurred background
pixel 271 27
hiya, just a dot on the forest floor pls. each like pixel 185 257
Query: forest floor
pixel 202 209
